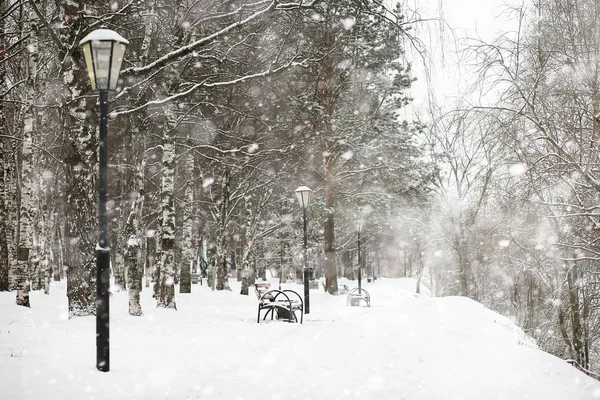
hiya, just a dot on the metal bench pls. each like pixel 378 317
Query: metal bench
pixel 280 304
pixel 355 296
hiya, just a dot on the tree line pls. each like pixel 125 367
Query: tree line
pixel 223 109
pixel 515 205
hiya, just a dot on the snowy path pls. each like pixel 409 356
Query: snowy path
pixel 403 347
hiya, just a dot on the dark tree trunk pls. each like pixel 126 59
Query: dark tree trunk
pixel 330 254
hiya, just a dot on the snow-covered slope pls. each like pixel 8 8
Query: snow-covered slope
pixel 404 347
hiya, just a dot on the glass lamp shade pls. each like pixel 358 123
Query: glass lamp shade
pixel 303 194
pixel 103 51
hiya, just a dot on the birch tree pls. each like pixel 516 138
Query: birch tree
pixel 134 237
pixel 188 253
pixel 4 226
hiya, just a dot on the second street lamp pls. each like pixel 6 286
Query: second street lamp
pixel 303 194
pixel 103 51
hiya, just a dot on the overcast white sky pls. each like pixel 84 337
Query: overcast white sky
pixel 483 19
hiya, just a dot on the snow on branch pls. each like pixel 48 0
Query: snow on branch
pixel 188 49
pixel 42 18
pixel 295 4
pixel 205 84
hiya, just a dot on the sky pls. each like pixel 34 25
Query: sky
pixel 404 347
pixel 444 35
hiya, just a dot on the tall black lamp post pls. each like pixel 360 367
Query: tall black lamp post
pixel 103 51
pixel 303 194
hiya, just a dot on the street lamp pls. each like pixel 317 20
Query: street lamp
pixel 303 194
pixel 103 52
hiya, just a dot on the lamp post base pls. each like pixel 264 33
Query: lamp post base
pixel 306 292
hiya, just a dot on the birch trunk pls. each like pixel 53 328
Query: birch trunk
pixel 133 257
pixel 166 265
pixel 25 251
pixel 80 160
pixel 221 257
pixel 59 258
pixel 12 200
pixel 3 218
pixel 45 232
pixel 254 216
pixel 187 256
pixel 4 227
pixel 12 197
pixel 118 267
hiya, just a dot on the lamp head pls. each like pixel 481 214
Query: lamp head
pixel 303 194
pixel 103 51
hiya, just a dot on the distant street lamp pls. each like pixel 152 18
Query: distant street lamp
pixel 303 194
pixel 103 51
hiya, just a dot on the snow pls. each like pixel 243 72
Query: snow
pixel 406 346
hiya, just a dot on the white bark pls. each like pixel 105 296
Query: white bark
pixel 80 155
pixel 25 251
pixel 11 197
pixel 221 256
pixel 187 256
pixel 166 266
pixel 133 232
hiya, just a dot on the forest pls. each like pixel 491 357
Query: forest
pixel 225 107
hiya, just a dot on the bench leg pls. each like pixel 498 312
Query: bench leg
pixel 270 310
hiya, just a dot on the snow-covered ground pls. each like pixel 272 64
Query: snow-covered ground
pixel 404 347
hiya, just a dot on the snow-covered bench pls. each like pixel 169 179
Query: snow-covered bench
pixel 281 304
pixel 355 296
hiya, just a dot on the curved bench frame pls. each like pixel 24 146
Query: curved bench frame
pixel 358 295
pixel 275 300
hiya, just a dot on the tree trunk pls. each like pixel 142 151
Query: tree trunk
pixel 118 259
pixel 80 150
pixel 59 259
pixel 12 201
pixel 166 266
pixel 9 206
pixel 133 257
pixel 81 225
pixel 187 256
pixel 27 210
pixel 330 253
pixel 4 263
pixel 221 264
pixel 577 328
pixel 45 232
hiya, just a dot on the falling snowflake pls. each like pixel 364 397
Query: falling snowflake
pixel 348 23
pixel 207 182
pixel 517 169
pixel 347 155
